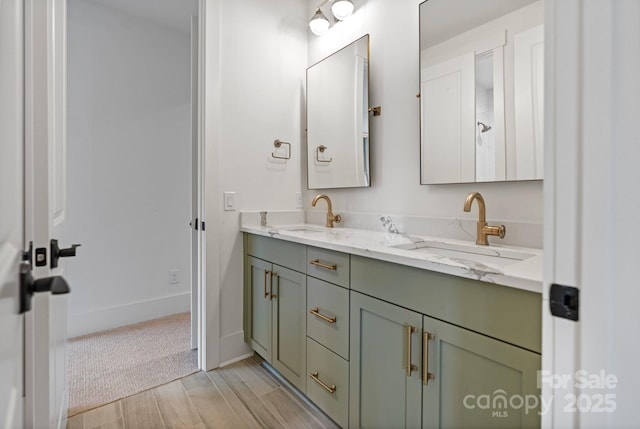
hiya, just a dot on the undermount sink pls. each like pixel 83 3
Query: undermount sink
pixel 310 231
pixel 304 229
pixel 468 252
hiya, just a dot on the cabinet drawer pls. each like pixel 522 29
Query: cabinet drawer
pixel 328 324
pixel 280 252
pixel 328 265
pixel 328 368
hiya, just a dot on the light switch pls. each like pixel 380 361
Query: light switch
pixel 229 201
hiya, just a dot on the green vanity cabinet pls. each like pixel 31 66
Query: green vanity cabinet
pixel 256 275
pixel 457 378
pixel 376 344
pixel 275 304
pixel 478 381
pixel 384 342
pixel 462 378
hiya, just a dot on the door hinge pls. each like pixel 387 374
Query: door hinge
pixel 564 301
pixel 27 255
pixel 203 226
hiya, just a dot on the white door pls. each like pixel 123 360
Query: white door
pixel 45 172
pixel 448 98
pixel 11 213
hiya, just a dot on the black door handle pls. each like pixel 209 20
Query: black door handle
pixel 57 252
pixel 57 285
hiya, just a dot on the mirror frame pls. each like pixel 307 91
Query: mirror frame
pixel 366 151
pixel 420 95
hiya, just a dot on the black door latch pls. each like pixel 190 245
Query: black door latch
pixel 564 301
pixel 57 252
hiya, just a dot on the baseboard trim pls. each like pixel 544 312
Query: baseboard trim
pixel 233 348
pixel 115 317
pixel 62 412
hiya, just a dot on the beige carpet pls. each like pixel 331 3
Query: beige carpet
pixel 110 365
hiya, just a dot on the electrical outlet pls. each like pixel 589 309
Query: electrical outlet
pixel 298 200
pixel 173 277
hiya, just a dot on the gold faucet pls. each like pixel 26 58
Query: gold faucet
pixel 484 229
pixel 331 218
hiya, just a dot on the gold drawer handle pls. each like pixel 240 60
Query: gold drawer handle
pixel 410 331
pixel 314 376
pixel 317 313
pixel 317 262
pixel 426 375
pixel 266 292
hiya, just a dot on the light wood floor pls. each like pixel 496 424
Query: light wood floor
pixel 242 395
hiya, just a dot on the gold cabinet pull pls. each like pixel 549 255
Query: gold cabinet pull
pixel 317 313
pixel 426 375
pixel 410 367
pixel 271 294
pixel 316 262
pixel 266 292
pixel 314 376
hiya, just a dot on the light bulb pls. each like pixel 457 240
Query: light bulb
pixel 319 23
pixel 342 9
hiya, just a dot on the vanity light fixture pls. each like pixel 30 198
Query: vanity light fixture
pixel 341 10
pixel 319 23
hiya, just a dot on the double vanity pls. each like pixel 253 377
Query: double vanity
pixel 382 329
pixel 386 329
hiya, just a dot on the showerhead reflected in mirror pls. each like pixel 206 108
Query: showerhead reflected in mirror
pixel 481 90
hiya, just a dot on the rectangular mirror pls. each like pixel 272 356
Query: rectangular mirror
pixel 481 91
pixel 338 119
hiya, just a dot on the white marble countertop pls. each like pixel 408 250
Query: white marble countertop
pixel 523 274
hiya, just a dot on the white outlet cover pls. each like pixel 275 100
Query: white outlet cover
pixel 173 277
pixel 229 201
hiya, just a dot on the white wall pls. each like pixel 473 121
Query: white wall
pixel 128 167
pixel 262 63
pixel 395 141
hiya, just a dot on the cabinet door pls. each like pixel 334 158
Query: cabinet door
pixel 477 381
pixel 382 395
pixel 289 326
pixel 258 272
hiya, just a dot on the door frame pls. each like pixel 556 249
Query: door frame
pixel 46 394
pixel 209 110
pixel 208 283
